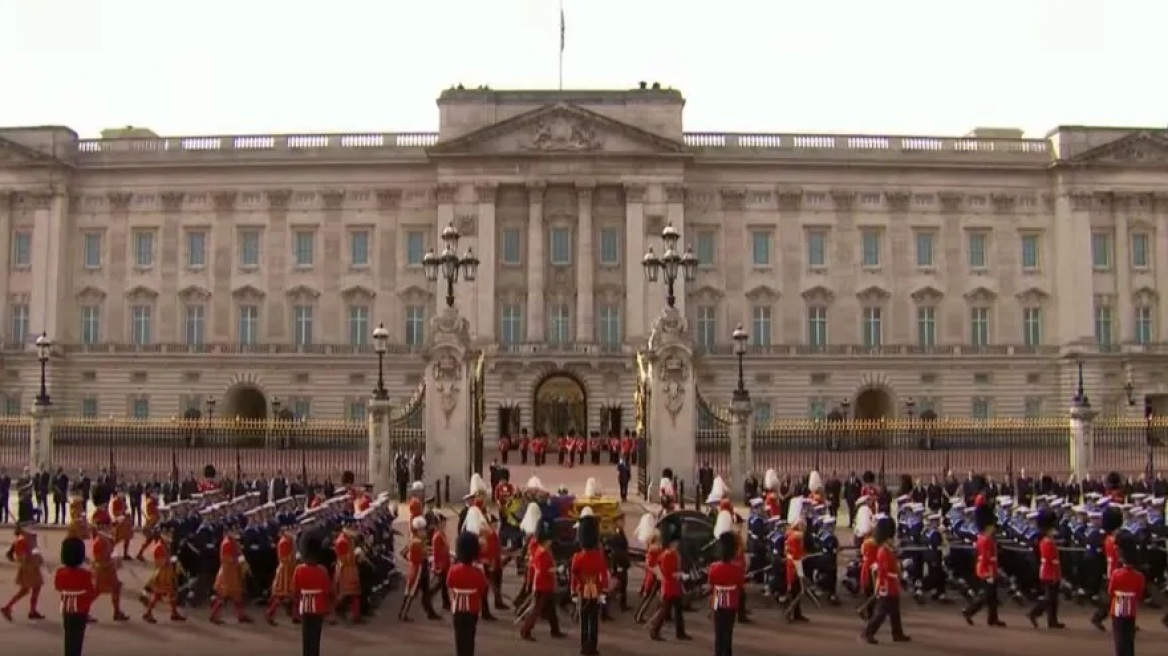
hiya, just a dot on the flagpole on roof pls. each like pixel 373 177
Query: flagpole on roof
pixel 562 26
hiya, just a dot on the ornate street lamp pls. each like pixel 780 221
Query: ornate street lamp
pixel 670 264
pixel 845 406
pixel 739 336
pixel 910 406
pixel 210 419
pixel 380 345
pixel 44 347
pixel 449 264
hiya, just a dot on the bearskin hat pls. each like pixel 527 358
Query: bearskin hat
pixel 209 471
pixel 667 473
pixel 984 517
pixel 727 547
pixel 885 528
pixel 669 529
pixel 1045 520
pixel 1113 480
pixel 504 474
pixel 348 477
pixel 546 532
pixel 979 482
pixel 311 547
pixel 72 552
pixel 1129 551
pixel 588 532
pixel 868 477
pixel 466 548
pixel 1111 520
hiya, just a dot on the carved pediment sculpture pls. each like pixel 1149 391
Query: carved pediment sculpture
pixel 141 293
pixel 1145 296
pixel 13 152
pixel 1032 295
pixel 927 294
pixel 763 294
pixel 357 293
pixel 247 293
pixel 90 295
pixel 706 295
pixel 818 294
pixel 981 295
pixel 302 293
pixel 1141 149
pixel 560 132
pixel 194 293
pixel 873 294
pixel 415 294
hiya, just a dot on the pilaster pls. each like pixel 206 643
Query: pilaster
pixel 636 319
pixel 486 325
pixel 585 268
pixel 6 225
pixel 536 267
pixel 741 446
pixel 1073 274
pixel 1123 328
pixel 380 467
pixel 673 402
pixel 40 447
pixel 447 409
pixel 51 280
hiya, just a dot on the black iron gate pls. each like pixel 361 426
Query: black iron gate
pixel 641 396
pixel 478 415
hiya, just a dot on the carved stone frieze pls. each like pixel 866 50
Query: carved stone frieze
pixel 790 199
pixel 278 199
pixel 675 193
pixel 333 199
pixel 172 201
pixel 843 199
pixel 32 200
pixel 559 132
pixel 119 201
pixel 733 199
pixel 898 200
pixel 951 201
pixel 467 224
pixel 446 193
pixel 389 199
pixel 1004 202
pixel 1082 201
pixel 224 201
pixel 486 194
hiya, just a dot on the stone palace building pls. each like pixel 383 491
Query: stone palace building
pixel 966 273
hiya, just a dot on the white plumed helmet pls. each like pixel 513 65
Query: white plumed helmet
pixel 815 482
pixel 646 528
pixel 534 483
pixel 475 522
pixel 795 510
pixel 717 490
pixel 771 480
pixel 586 512
pixel 724 523
pixel 478 485
pixel 531 517
pixel 417 486
pixel 863 521
pixel 419 523
pixel 591 488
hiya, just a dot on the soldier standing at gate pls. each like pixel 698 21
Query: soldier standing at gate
pixel 468 592
pixel 589 581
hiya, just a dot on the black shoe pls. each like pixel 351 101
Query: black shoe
pixel 968 617
pixel 1033 620
pixel 901 638
pixel 1056 625
pixel 867 639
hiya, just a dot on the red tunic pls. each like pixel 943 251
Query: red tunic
pixel 75 585
pixel 163 581
pixel 652 556
pixel 1049 567
pixel 987 557
pixel 311 585
pixel 105 571
pixel 868 552
pixel 361 502
pixel 491 554
pixel 726 582
pixel 229 580
pixel 589 574
pixel 416 556
pixel 1125 587
pixel 415 507
pixel 150 513
pixel 439 553
pixel 285 567
pixel 795 551
pixel 468 587
pixel 669 564
pixel 886 574
pixel 28 563
pixel 543 572
pixel 1111 552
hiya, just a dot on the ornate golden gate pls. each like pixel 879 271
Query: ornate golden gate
pixel 478 414
pixel 641 397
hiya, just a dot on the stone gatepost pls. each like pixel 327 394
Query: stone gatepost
pixel 380 466
pixel 1082 442
pixel 40 438
pixel 741 443
pixel 673 400
pixel 447 410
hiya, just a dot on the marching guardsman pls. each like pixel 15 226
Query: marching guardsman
pixel 163 583
pixel 468 592
pixel 282 593
pixel 208 483
pixel 1125 589
pixel 229 580
pixel 105 570
pixel 123 524
pixel 1111 521
pixel 815 488
pixel 473 523
pixel 440 562
pixel 530 527
pixel 418 578
pixel 75 585
pixel 416 505
pixel 668 573
pixel 150 519
pixel 795 550
pixel 28 572
pixel 1050 574
pixel 491 558
pixel 589 580
pixel 77 526
pixel 727 580
pixel 346 577
pixel 885 584
pixel 986 568
pixel 543 587
pixel 648 536
pixel 1114 483
pixel 869 547
pixel 311 585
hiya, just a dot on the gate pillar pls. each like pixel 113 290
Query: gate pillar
pixel 40 438
pixel 673 402
pixel 741 443
pixel 380 465
pixel 1082 437
pixel 448 409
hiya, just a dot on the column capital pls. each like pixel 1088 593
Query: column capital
pixel 675 193
pixel 634 192
pixel 486 192
pixel 445 192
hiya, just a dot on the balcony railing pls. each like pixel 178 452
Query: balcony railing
pixel 232 349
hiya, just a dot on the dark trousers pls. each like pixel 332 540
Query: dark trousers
pixel 987 598
pixel 670 607
pixel 543 607
pixel 1123 634
pixel 623 485
pixel 589 626
pixel 724 619
pixel 5 513
pixel 311 628
pixel 441 589
pixel 74 625
pixel 887 607
pixel 465 625
pixel 1048 603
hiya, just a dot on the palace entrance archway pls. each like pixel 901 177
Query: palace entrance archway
pixel 874 403
pixel 247 402
pixel 560 404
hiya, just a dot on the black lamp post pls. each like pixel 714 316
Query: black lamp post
pixel 739 336
pixel 277 423
pixel 670 263
pixel 910 406
pixel 845 406
pixel 380 345
pixel 449 264
pixel 210 419
pixel 44 347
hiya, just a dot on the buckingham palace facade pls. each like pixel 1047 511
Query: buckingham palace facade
pixel 967 273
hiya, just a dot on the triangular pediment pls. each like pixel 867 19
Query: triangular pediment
pixel 247 292
pixel 559 129
pixel 141 292
pixel 873 294
pixel 706 293
pixel 1032 295
pixel 358 293
pixel 763 293
pixel 414 293
pixel 981 294
pixel 1144 148
pixel 927 294
pixel 818 294
pixel 194 293
pixel 303 292
pixel 14 153
pixel 90 294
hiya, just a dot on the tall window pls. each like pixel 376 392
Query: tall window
pixel 1030 252
pixel 196 249
pixel 1103 324
pixel 141 324
pixel 356 410
pixel 1032 407
pixel 143 249
pixel 249 248
pixel 359 330
pixel 704 248
pixel 249 324
pixel 870 246
pixel 1101 250
pixel 18 331
pixel 415 247
pixel 89 407
pixel 22 248
pixel 561 246
pixel 359 249
pixel 511 324
pixel 1032 326
pixel 559 325
pixel 1144 325
pixel 816 249
pixel 978 242
pixel 817 326
pixel 302 408
pixel 415 325
pixel 924 249
pixel 610 247
pixel 981 408
pixel 817 409
pixel 194 325
pixel 141 408
pixel 927 326
pixel 707 326
pixel 979 326
pixel 302 325
pixel 303 247
pixel 760 325
pixel 92 250
pixel 512 246
pixel 610 326
pixel 873 327
pixel 1139 250
pixel 760 248
pixel 762 412
pixel 90 324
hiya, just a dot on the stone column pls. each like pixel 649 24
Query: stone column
pixel 673 402
pixel 585 269
pixel 635 314
pixel 488 254
pixel 40 442
pixel 380 466
pixel 1123 325
pixel 447 412
pixel 50 242
pixel 1082 444
pixel 536 268
pixel 741 443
